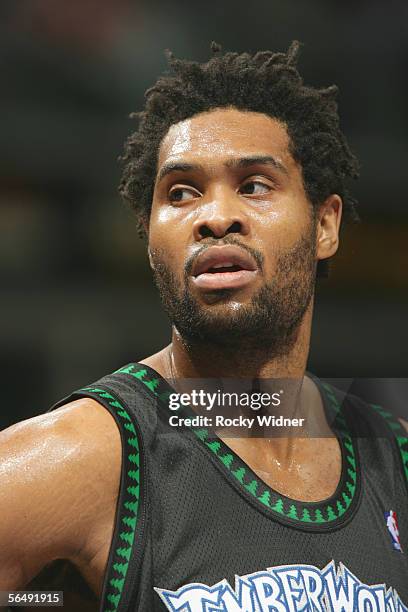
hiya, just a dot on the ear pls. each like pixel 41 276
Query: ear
pixel 328 226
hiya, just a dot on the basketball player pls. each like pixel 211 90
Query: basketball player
pixel 237 173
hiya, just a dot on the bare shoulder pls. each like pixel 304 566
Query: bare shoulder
pixel 59 481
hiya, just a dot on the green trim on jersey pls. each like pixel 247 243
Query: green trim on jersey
pixel 310 514
pixel 118 567
pixel 400 434
pixel 303 512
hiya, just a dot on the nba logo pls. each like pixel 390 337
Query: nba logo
pixel 392 526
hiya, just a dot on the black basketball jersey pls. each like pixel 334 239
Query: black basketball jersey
pixel 196 530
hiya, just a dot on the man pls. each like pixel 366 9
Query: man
pixel 237 173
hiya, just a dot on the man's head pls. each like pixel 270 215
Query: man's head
pixel 237 151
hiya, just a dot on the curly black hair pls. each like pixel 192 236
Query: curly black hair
pixel 264 82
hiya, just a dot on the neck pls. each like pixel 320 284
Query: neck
pixel 302 398
pixel 180 360
pixel 246 360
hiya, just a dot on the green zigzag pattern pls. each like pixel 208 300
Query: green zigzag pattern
pixel 303 513
pixel 129 510
pixel 296 511
pixel 151 384
pixel 399 433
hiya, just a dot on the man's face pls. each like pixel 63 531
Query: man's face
pixel 232 235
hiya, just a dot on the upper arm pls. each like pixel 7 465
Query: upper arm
pixel 52 474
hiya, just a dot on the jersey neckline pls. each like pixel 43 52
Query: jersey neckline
pixel 323 515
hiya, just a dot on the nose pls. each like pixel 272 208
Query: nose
pixel 220 217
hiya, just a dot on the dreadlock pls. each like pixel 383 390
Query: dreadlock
pixel 264 82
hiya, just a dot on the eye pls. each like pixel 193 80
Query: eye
pixel 255 188
pixel 182 194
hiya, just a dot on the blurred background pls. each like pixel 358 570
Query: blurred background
pixel 77 300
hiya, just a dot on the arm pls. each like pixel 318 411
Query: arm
pixel 59 479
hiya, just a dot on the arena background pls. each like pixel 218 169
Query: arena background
pixel 77 299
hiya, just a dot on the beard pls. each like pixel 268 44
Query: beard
pixel 268 322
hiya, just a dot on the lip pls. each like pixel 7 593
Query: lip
pixel 228 255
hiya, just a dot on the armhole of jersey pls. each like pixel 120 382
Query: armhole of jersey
pixel 400 436
pixel 124 560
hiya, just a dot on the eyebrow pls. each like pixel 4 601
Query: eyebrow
pixel 241 162
pixel 257 160
pixel 176 167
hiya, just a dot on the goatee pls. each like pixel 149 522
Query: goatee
pixel 269 321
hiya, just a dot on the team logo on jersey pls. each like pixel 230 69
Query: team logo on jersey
pixel 392 526
pixel 287 588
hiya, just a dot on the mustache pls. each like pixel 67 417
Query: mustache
pixel 257 255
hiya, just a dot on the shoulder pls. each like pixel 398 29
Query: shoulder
pixel 366 418
pixel 56 469
pixel 379 422
pixel 81 433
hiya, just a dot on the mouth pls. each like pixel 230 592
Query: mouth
pixel 224 267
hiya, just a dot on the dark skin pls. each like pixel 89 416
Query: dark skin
pixel 206 180
pixel 60 471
